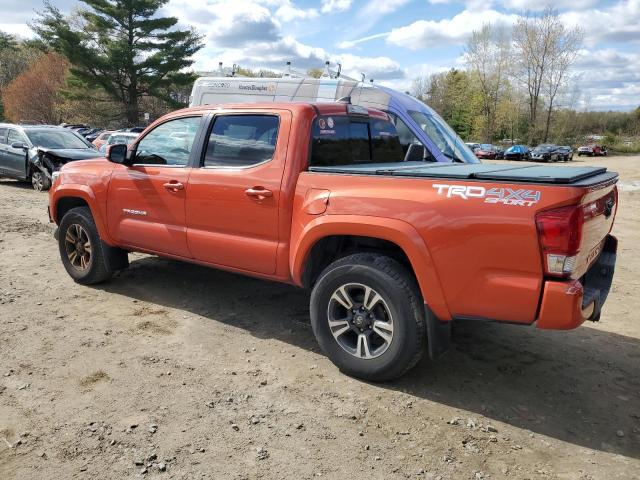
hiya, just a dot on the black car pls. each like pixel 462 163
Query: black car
pixel 566 152
pixel 546 153
pixel 32 153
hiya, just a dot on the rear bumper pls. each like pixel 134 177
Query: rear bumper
pixel 567 304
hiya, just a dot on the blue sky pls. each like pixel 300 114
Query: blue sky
pixel 393 41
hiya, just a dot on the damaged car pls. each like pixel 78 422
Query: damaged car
pixel 32 153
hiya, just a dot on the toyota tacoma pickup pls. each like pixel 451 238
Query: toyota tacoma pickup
pixel 324 196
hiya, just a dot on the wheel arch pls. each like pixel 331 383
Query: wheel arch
pixel 64 198
pixel 330 237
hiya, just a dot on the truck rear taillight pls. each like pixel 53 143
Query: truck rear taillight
pixel 560 233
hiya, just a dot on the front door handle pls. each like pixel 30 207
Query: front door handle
pixel 173 186
pixel 258 192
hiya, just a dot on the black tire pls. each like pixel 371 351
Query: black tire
pixel 400 294
pixel 39 181
pixel 97 269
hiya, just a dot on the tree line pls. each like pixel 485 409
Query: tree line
pixel 518 87
pixel 111 60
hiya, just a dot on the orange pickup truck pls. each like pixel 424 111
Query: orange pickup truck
pixel 393 245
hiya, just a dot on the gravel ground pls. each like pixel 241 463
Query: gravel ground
pixel 176 371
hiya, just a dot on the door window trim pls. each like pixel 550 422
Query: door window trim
pixel 205 142
pixel 196 142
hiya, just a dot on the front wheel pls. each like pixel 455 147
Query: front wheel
pixel 368 317
pixel 40 181
pixel 81 249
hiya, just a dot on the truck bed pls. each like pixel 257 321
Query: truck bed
pixel 536 174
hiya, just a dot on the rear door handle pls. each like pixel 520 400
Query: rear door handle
pixel 173 186
pixel 258 192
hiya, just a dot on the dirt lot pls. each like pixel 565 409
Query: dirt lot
pixel 205 374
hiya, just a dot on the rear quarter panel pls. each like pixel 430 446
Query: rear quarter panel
pixel 485 257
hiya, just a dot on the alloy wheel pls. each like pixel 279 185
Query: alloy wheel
pixel 360 320
pixel 78 247
pixel 37 180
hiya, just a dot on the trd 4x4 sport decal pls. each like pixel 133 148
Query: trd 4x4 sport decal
pixel 507 196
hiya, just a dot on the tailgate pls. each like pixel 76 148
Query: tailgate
pixel 599 205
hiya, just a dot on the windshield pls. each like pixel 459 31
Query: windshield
pixel 447 141
pixel 56 139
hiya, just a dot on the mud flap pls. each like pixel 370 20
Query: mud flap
pixel 115 258
pixel 438 334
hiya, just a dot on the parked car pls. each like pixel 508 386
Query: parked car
pixel 592 150
pixel 134 129
pixel 89 132
pixel 92 136
pixel 499 151
pixel 472 146
pixel 102 138
pixel 566 152
pixel 118 138
pixel 545 153
pixel 320 195
pixel 517 152
pixel 33 152
pixel 485 151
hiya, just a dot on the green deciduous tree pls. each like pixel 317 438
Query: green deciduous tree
pixel 124 48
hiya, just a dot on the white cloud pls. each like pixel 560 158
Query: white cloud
pixel 21 30
pixel 537 5
pixel 288 12
pixel 609 79
pixel 331 6
pixel 449 31
pixel 616 23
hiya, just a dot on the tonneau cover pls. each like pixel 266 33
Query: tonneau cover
pixel 574 176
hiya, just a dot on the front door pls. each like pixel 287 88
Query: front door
pixel 146 202
pixel 234 195
pixel 15 159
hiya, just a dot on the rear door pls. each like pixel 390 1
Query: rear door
pixel 146 201
pixel 233 197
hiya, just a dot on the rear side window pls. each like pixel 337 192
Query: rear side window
pixel 343 140
pixel 241 140
pixel 3 135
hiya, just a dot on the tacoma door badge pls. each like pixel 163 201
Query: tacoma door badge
pixel 129 211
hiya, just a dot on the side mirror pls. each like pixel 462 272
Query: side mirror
pixel 117 153
pixel 19 145
pixel 415 153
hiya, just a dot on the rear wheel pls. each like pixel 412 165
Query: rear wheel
pixel 368 317
pixel 40 181
pixel 81 249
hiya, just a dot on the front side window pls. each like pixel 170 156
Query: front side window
pixel 15 136
pixel 343 140
pixel 241 140
pixel 169 143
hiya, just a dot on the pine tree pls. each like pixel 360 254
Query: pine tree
pixel 122 47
